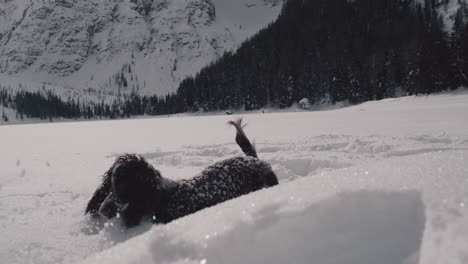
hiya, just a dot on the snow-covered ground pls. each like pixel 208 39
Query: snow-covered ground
pixel 380 182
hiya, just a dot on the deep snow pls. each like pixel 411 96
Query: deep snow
pixel 380 182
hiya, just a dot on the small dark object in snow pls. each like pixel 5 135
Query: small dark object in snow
pixel 133 189
pixel 229 112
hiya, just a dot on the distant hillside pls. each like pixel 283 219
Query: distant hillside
pixel 88 45
pixel 335 50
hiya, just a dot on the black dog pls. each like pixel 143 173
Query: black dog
pixel 132 188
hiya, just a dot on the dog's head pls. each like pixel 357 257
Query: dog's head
pixel 133 185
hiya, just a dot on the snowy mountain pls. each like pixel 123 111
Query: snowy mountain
pixel 381 182
pixel 94 45
pixel 88 53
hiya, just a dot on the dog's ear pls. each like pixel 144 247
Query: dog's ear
pixel 100 194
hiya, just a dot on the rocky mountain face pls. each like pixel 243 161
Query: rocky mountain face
pixel 112 46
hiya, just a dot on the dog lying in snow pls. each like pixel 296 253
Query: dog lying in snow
pixel 132 188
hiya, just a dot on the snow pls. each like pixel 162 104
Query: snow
pixel 10 12
pixel 380 182
pixel 448 13
pixel 244 18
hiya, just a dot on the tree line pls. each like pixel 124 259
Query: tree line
pixel 46 105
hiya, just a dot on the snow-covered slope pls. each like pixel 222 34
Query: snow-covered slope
pixel 380 182
pixel 153 44
pixel 448 12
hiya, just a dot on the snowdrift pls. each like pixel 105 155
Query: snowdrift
pixel 387 212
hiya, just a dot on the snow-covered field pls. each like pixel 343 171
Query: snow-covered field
pixel 380 182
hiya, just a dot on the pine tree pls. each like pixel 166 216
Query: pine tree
pixel 4 116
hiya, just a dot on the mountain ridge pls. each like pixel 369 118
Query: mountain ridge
pixel 86 44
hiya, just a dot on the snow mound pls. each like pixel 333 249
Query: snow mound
pixel 388 226
pixel 355 227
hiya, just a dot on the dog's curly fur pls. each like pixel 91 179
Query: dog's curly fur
pixel 132 188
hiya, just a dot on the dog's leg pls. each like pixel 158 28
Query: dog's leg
pixel 242 140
